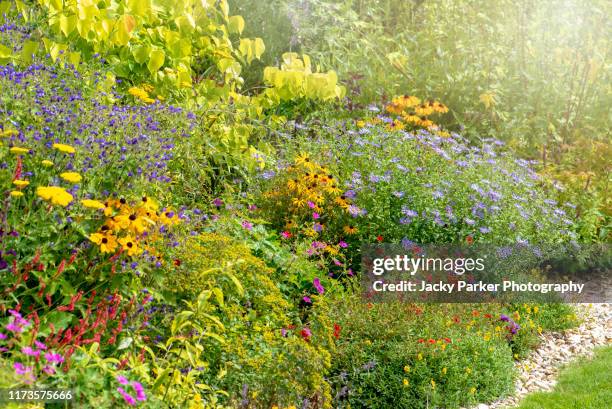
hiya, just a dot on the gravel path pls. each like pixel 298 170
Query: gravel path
pixel 539 371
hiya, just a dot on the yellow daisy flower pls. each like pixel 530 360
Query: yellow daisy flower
pixel 107 242
pixel 47 163
pixel 16 193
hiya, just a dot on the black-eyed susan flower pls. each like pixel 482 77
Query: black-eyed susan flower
pixel 72 177
pixel 64 148
pixel 130 246
pixel 55 195
pixel 107 242
pixel 350 229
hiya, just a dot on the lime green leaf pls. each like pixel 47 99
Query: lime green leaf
pixel 29 48
pixel 141 53
pixel 235 24
pixel 156 60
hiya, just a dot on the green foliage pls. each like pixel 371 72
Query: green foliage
pixel 253 310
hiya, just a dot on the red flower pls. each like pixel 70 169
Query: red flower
pixel 379 238
pixel 456 319
pixel 421 341
pixel 475 313
pixel 177 262
pixel 337 330
pixel 489 316
pixel 431 341
pixel 447 340
pixel 469 240
pixel 306 334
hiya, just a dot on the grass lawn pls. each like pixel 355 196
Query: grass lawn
pixel 586 384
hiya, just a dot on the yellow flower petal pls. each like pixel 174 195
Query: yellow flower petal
pixel 18 151
pixel 71 177
pixel 21 183
pixel 16 193
pixel 64 148
pixel 92 204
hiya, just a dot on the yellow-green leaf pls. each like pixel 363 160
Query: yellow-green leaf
pixel 235 24
pixel 156 60
pixel 5 52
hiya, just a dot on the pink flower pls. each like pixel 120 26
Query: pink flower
pixel 218 202
pixel 129 399
pixel 317 284
pixel 247 225
pixel 311 205
pixel 286 235
pixel 3 336
pixel 315 215
pixel 49 370
pixel 343 244
pixel 54 358
pixel 350 272
pixel 140 394
pixel 40 345
pixel 122 380
pixel 307 299
pixel 20 369
pixel 29 351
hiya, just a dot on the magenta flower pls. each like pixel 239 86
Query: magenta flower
pixel 343 244
pixel 129 399
pixel 140 394
pixel 307 299
pixel 218 202
pixel 3 336
pixel 247 225
pixel 20 369
pixel 311 205
pixel 317 284
pixel 54 358
pixel 40 345
pixel 315 215
pixel 122 380
pixel 48 370
pixel 29 351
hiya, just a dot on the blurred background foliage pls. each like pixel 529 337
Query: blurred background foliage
pixel 535 74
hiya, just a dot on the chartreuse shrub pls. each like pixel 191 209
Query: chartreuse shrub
pixel 268 356
pixel 168 43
